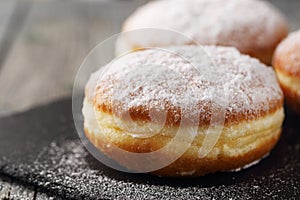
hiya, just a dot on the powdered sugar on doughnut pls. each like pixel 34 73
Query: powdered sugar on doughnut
pixel 288 54
pixel 239 23
pixel 189 78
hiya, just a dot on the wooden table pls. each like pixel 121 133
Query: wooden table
pixel 42 44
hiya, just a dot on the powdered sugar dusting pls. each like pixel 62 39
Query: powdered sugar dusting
pixel 191 78
pixel 289 49
pixel 239 23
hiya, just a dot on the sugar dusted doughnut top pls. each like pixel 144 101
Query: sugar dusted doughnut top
pixel 188 80
pixel 287 55
pixel 252 26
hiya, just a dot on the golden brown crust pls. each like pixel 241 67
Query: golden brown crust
pixel 292 96
pixel 231 118
pixel 222 163
pixel 189 164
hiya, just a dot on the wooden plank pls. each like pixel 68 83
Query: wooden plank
pixel 6 9
pixel 56 38
pixel 17 16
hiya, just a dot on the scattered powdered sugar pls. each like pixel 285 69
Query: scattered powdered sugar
pixel 191 78
pixel 65 169
pixel 239 23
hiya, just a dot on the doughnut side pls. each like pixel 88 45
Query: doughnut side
pixel 237 146
pixel 141 113
pixel 291 89
pixel 286 62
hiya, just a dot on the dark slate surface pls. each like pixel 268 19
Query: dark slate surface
pixel 41 147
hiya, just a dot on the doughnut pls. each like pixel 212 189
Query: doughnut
pixel 178 86
pixel 254 27
pixel 286 62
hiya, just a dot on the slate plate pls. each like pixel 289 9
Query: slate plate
pixel 41 147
